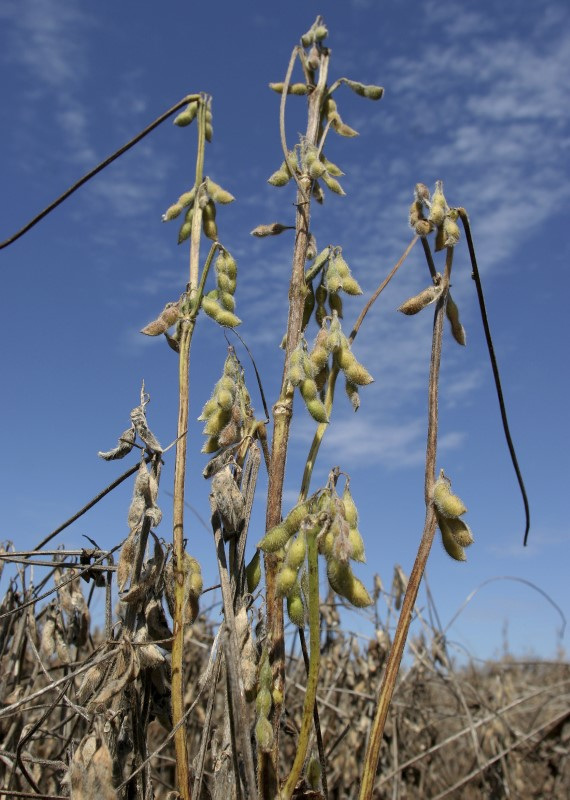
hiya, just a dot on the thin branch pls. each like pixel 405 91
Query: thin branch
pixel 91 503
pixel 91 174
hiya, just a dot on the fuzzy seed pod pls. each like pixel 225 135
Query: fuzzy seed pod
pixel 318 193
pixel 317 169
pixel 285 580
pixel 217 193
pixel 277 87
pixel 253 572
pixel 451 230
pixel 296 516
pixel 227 301
pixel 275 539
pixel 326 544
pixel 211 445
pixel 421 192
pixel 264 734
pixel 172 212
pixel 438 205
pixel 272 229
pixel 185 117
pixel 313 773
pixel 369 91
pixel 317 410
pixel 452 548
pixel 420 301
pixel 447 504
pixel 279 178
pixel 185 231
pixel 340 576
pixel 123 448
pixel 349 506
pixel 308 306
pixel 209 221
pixel 308 38
pixel 298 88
pixel 358 595
pixel 332 168
pixel 457 328
pixel 187 198
pixel 352 393
pixel 263 702
pixel 311 248
pixel 423 227
pixel 358 374
pixel 331 182
pixel 460 531
pixel 295 553
pixel 319 356
pixel 356 542
pixel 335 303
pixel 415 213
pixel 210 407
pixel 216 422
pixel 308 389
pixel 295 606
pixel 351 286
pixel 342 128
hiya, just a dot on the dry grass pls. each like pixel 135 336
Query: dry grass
pixel 500 729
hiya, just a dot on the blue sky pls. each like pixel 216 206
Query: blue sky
pixel 476 95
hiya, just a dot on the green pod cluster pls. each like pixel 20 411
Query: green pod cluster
pixel 355 372
pixel 338 275
pixel 455 533
pixel 263 704
pixel 226 273
pixel 227 410
pixel 301 373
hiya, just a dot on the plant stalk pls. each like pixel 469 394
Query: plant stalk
pixel 187 325
pixel 396 652
pixel 282 414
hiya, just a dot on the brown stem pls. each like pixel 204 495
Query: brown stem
pixel 395 657
pixel 282 413
pixel 187 324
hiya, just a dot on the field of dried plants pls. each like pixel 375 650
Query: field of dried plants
pixel 82 711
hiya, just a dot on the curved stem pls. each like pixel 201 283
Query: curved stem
pixel 91 174
pixel 495 368
pixel 186 330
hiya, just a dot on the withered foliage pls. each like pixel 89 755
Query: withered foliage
pixel 82 710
